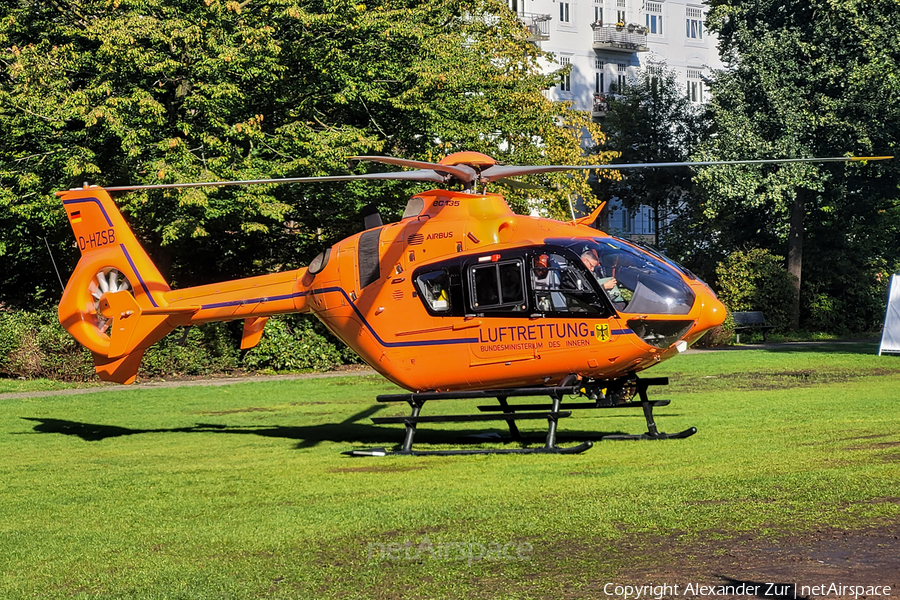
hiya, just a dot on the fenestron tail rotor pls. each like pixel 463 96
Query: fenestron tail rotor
pixel 107 280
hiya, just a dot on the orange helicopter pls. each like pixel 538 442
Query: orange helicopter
pixel 461 298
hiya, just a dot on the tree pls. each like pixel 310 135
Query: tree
pixel 652 120
pixel 807 78
pixel 119 92
pixel 756 280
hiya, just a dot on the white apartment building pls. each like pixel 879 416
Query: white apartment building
pixel 606 41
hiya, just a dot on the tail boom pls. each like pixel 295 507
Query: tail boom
pixel 117 303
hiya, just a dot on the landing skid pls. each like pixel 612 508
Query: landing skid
pixel 652 432
pixel 657 436
pixel 555 450
pixel 604 394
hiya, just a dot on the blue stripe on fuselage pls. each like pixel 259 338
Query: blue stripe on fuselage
pixel 362 318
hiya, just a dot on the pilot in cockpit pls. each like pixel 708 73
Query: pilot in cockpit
pixel 608 283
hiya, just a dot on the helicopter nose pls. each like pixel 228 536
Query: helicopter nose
pixel 712 311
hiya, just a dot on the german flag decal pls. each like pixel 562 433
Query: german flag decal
pixel 75 217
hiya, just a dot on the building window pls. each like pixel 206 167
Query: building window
pixel 620 16
pixel 599 79
pixel 656 73
pixel 694 85
pixel 565 82
pixel 563 12
pixel 654 18
pixel 694 23
pixel 621 69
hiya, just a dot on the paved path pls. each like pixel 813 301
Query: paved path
pixel 183 383
pixel 783 345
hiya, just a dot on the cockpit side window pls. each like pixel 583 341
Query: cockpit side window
pixel 636 281
pixel 561 287
pixel 498 286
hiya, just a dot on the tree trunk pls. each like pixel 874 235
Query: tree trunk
pixel 795 252
pixel 656 224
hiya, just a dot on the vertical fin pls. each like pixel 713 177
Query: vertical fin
pixel 112 283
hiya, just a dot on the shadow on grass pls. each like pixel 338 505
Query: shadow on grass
pixel 348 431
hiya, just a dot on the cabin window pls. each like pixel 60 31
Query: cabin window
pixel 319 262
pixel 561 286
pixel 498 285
pixel 434 288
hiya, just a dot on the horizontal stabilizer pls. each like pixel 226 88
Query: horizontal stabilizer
pixel 253 330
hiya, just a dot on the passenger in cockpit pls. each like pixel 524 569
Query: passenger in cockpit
pixel 546 285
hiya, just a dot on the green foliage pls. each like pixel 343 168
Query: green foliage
pixel 293 346
pixel 156 91
pixel 721 335
pixel 848 298
pixel 34 345
pixel 805 79
pixel 756 280
pixel 200 350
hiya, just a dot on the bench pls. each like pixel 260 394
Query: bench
pixel 751 320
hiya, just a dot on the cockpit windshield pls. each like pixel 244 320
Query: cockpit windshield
pixel 636 281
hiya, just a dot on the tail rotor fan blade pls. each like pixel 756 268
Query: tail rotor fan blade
pixel 107 280
pixel 101 281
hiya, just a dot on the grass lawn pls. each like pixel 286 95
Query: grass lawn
pixel 241 491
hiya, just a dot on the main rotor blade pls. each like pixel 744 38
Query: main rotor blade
pixel 464 173
pixel 421 175
pixel 520 185
pixel 500 171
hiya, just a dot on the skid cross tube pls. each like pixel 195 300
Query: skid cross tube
pixel 598 391
pixel 417 400
pixel 513 428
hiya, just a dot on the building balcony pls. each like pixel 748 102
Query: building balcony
pixel 600 104
pixel 538 26
pixel 629 38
